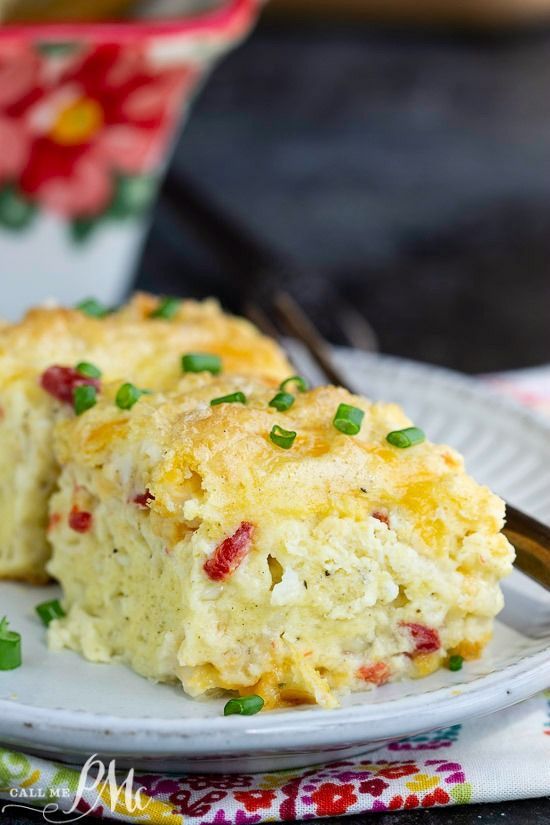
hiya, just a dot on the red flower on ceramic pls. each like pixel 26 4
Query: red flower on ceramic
pixel 255 800
pixel 81 131
pixel 19 88
pixel 108 113
pixel 333 800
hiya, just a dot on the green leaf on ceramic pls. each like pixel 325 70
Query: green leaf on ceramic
pixel 133 196
pixel 15 211
pixel 462 793
pixel 57 49
pixel 83 228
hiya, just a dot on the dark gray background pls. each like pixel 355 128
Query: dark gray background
pixel 410 170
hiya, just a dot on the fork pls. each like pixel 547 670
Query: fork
pixel 266 280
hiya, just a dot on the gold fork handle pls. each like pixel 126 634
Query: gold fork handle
pixel 531 540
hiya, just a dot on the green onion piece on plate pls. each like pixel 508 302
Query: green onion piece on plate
pixel 348 419
pixel 455 662
pixel 301 383
pixel 282 438
pixel 93 308
pixel 233 398
pixel 48 611
pixel 84 398
pixel 10 647
pixel 128 395
pixel 282 401
pixel 87 369
pixel 201 362
pixel 406 438
pixel 244 705
pixel 166 309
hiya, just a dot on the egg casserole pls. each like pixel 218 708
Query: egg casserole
pixel 143 342
pixel 199 544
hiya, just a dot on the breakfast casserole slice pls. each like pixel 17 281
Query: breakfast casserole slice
pixel 295 545
pixel 55 361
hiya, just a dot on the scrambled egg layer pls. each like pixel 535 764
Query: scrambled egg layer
pixel 126 345
pixel 366 562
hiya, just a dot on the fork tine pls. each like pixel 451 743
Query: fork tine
pixel 261 319
pixel 359 332
pixel 301 327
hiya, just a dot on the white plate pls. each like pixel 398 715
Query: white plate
pixel 58 705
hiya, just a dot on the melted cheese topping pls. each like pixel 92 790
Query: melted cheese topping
pixel 126 345
pixel 327 589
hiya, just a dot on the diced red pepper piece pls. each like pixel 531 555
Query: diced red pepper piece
pixel 381 516
pixel 377 673
pixel 61 382
pixel 80 520
pixel 143 499
pixel 230 553
pixel 426 639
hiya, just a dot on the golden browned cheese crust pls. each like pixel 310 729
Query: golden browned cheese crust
pixel 127 345
pixel 366 562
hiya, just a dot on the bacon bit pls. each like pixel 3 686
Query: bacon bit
pixel 80 520
pixel 143 499
pixel 381 516
pixel 230 553
pixel 2 413
pixel 377 673
pixel 54 520
pixel 426 639
pixel 61 382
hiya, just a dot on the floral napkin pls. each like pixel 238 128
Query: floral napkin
pixel 503 756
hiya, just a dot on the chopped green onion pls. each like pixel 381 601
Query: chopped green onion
pixel 301 384
pixel 10 647
pixel 282 401
pixel 282 438
pixel 348 419
pixel 455 662
pixel 128 395
pixel 48 611
pixel 406 438
pixel 166 309
pixel 233 398
pixel 84 397
pixel 201 362
pixel 89 370
pixel 244 705
pixel 93 308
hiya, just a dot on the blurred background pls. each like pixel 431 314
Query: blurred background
pixel 398 154
pixel 407 167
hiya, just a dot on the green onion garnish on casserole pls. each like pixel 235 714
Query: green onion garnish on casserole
pixel 58 361
pixel 276 564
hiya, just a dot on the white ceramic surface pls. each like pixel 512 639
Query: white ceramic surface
pixel 61 706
